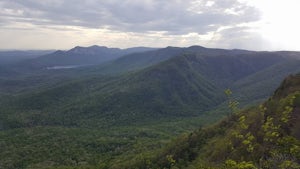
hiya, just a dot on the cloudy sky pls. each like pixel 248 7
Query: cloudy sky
pixel 63 24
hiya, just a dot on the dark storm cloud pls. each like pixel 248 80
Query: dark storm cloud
pixel 171 17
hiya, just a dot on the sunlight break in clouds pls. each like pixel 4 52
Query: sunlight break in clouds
pixel 63 24
pixel 280 25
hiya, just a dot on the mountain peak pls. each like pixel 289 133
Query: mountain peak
pixel 87 50
pixel 97 47
pixel 93 47
pixel 58 52
pixel 196 46
pixel 76 49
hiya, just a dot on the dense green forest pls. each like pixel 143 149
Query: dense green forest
pixel 151 108
pixel 264 136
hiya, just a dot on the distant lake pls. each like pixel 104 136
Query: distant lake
pixel 65 67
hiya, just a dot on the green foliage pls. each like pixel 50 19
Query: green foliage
pixel 232 104
pixel 230 164
pixel 289 165
pixel 79 147
pixel 170 160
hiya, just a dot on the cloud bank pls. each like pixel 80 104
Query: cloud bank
pixel 65 23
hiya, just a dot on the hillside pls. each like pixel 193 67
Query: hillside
pixel 167 90
pixel 137 61
pixel 266 136
pixel 247 88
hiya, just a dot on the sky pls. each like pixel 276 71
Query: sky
pixel 63 24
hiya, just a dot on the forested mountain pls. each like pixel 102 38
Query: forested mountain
pixel 142 60
pixel 129 104
pixel 249 88
pixel 265 136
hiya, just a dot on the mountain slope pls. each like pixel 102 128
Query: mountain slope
pixel 167 90
pixel 142 60
pixel 259 137
pixel 248 88
pixel 138 61
pixel 225 69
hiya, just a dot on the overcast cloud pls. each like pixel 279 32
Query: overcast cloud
pixel 64 23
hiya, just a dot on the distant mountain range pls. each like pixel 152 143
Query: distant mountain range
pixel 81 56
pixel 12 56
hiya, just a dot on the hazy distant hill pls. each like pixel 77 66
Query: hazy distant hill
pixel 9 57
pixel 81 56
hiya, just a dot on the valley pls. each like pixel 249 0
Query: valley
pixel 126 108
